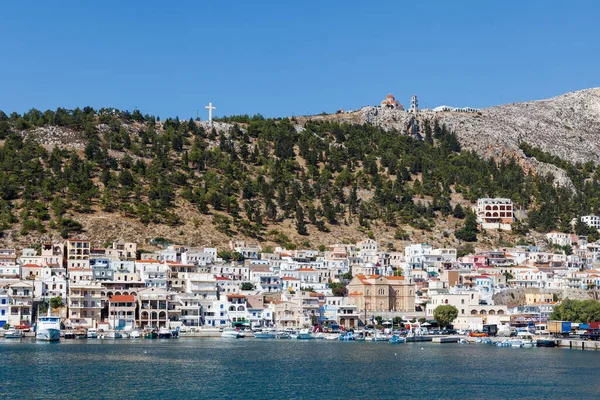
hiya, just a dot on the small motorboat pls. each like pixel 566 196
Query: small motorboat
pixel 346 336
pixel 135 334
pixel 265 334
pixel 231 333
pixel 397 339
pixel 13 333
pixel 164 333
pixel 70 334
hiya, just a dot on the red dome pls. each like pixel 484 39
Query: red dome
pixel 389 96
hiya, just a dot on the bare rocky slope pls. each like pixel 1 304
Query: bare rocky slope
pixel 567 126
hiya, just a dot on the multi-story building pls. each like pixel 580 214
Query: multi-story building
pixel 78 253
pixel 4 307
pixel 121 311
pixel 122 251
pixel 592 221
pixel 85 303
pixel 153 305
pixel 495 213
pixel 20 296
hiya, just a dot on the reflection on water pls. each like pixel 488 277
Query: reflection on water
pixel 254 369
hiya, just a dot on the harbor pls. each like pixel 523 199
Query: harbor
pixel 283 369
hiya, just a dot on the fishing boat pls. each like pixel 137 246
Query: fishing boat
pixel 151 334
pixel 13 333
pixel 397 339
pixel 304 334
pixel 70 334
pixel 80 334
pixel 112 334
pixel 346 337
pixel 135 334
pixel 526 339
pixel 164 333
pixel 265 334
pixel 282 335
pixel 48 328
pixel 231 333
pixel 92 333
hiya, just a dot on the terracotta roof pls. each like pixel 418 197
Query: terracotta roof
pixel 124 298
pixel 236 296
pixel 222 278
pixel 31 266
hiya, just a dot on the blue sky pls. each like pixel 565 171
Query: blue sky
pixel 282 58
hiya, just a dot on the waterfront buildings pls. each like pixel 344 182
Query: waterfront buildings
pixel 346 284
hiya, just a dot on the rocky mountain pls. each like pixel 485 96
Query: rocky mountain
pixel 566 126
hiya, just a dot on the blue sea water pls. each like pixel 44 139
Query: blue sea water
pixel 290 369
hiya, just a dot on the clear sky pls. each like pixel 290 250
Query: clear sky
pixel 282 58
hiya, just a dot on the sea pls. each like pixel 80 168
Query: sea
pixel 204 368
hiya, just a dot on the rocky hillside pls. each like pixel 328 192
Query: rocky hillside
pixel 566 126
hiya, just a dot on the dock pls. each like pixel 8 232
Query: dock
pixel 578 344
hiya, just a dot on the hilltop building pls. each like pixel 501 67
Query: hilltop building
pixel 495 213
pixel 391 102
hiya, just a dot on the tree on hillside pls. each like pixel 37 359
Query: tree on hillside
pixel 468 232
pixel 445 314
pixel 458 212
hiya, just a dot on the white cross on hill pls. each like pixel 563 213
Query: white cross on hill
pixel 210 109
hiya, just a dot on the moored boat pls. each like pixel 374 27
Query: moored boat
pixel 92 333
pixel 164 333
pixel 135 334
pixel 112 334
pixel 397 339
pixel 231 333
pixel 70 334
pixel 265 334
pixel 48 328
pixel 13 333
pixel 304 334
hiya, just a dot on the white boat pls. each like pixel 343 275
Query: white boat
pixel 92 333
pixel 13 333
pixel 265 334
pixel 135 334
pixel 305 334
pixel 516 343
pixel 48 328
pixel 231 333
pixel 113 335
pixel 164 333
pixel 526 339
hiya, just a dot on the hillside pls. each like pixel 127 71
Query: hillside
pixel 109 174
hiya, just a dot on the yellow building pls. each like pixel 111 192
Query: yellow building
pixel 382 293
pixel 78 253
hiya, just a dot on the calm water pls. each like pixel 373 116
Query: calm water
pixel 290 369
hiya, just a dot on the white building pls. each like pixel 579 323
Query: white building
pixel 591 221
pixel 496 213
